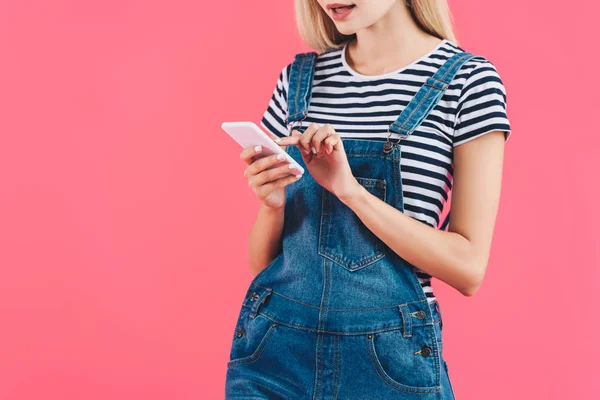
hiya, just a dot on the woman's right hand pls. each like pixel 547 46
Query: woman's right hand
pixel 268 184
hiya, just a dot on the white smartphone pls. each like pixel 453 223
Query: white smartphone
pixel 248 134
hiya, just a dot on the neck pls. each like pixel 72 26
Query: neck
pixel 392 42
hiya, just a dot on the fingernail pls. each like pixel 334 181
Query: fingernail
pixel 290 166
pixel 313 150
pixel 280 156
pixel 278 140
pixel 257 148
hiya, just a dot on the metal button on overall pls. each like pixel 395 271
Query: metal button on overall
pixel 240 332
pixel 426 351
pixel 420 314
pixel 254 296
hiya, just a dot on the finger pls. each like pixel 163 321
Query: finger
pixel 278 139
pixel 248 153
pixel 321 134
pixel 333 142
pixel 272 174
pixel 292 139
pixel 264 190
pixel 305 140
pixel 274 137
pixel 306 155
pixel 261 164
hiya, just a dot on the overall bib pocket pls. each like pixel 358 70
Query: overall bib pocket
pixel 343 237
pixel 408 364
pixel 250 338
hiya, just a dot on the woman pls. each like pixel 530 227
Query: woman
pixel 386 119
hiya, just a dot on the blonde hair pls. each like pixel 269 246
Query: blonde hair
pixel 319 31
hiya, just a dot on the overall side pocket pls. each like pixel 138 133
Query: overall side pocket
pixel 409 364
pixel 250 339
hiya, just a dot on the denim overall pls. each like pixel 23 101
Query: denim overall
pixel 337 314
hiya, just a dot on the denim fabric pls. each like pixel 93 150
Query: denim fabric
pixel 300 86
pixel 337 314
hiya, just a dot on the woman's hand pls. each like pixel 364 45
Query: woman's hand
pixel 268 184
pixel 323 153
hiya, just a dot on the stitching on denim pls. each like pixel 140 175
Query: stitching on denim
pixel 341 333
pixel 259 350
pixel 341 260
pixel 397 173
pixel 298 80
pixel 449 381
pixel 466 55
pixel 257 303
pixel 328 278
pixel 425 96
pixel 365 154
pixel 436 353
pixel 324 226
pixel 321 308
pixel 371 182
pixel 336 365
pixel 365 262
pixel 388 379
pixel 309 81
pixel 318 378
pixel 416 108
pixel 338 309
pixel 317 370
pixel 444 86
pixel 406 321
pixel 320 339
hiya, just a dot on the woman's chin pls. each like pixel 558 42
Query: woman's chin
pixel 344 29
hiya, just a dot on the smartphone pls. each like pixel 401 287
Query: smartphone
pixel 248 134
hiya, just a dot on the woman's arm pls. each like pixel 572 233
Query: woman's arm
pixel 264 242
pixel 458 257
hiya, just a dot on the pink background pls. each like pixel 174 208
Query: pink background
pixel 124 213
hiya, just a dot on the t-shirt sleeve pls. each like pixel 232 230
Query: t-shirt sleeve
pixel 273 119
pixel 481 106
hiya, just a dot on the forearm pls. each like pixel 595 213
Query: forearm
pixel 447 256
pixel 265 238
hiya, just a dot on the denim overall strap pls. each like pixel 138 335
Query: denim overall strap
pixel 427 97
pixel 300 84
pixel 424 101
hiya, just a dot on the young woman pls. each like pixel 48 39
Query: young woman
pixel 386 120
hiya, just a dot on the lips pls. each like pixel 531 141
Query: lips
pixel 339 11
pixel 337 7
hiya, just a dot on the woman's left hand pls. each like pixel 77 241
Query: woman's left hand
pixel 324 155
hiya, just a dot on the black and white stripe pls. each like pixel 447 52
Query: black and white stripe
pixel 361 106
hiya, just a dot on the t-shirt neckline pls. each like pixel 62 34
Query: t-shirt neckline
pixel 387 74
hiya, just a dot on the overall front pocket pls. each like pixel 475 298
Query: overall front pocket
pixel 408 364
pixel 251 338
pixel 343 237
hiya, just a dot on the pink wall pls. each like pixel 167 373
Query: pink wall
pixel 124 213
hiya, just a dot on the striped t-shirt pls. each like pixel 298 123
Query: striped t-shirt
pixel 363 106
